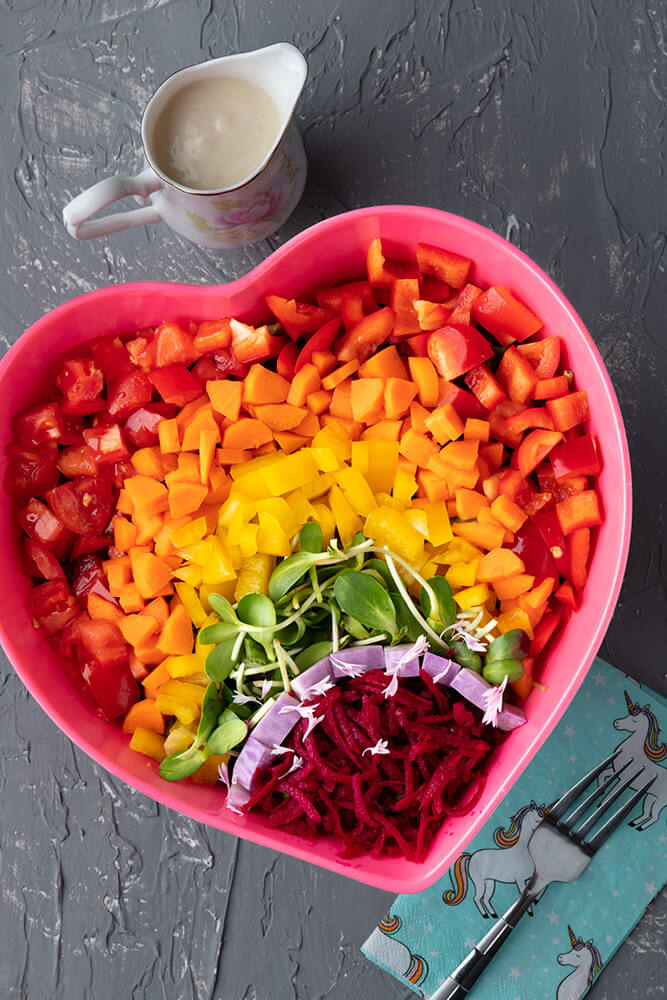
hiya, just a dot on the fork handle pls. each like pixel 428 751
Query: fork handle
pixel 464 977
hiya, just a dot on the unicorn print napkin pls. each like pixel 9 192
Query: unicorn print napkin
pixel 556 953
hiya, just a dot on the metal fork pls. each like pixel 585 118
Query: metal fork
pixel 560 854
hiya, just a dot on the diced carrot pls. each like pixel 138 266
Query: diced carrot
pixel 454 476
pixel 498 564
pixel 185 498
pixel 147 462
pixel 308 426
pixel 338 375
pixel 280 416
pixel 508 513
pixel 445 424
pixel 319 402
pixel 124 534
pixel 176 637
pixel 341 405
pixel 478 429
pixel 185 415
pixel 264 386
pixel 304 382
pixel 168 436
pixel 124 504
pixel 385 364
pixel 144 713
pixel 493 454
pixel 232 456
pixel 158 609
pixel 433 486
pixel 137 628
pixel 399 393
pixel 350 427
pixel 469 503
pixel 151 575
pixel 515 618
pixel 138 669
pixel 423 373
pixel 366 397
pixel 417 448
pixel 513 586
pixel 202 420
pixel 418 417
pixel 98 607
pixel 119 572
pixel 226 396
pixel 290 442
pixel 324 362
pixel 461 454
pixel 246 434
pixel 484 536
pixel 156 679
pixel 383 430
pixel 485 516
pixel 130 599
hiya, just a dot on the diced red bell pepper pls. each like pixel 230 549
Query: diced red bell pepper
pixel 431 315
pixel 319 341
pixel 543 632
pixel 141 427
pixel 432 289
pixel 86 572
pixel 41 563
pixel 176 384
pixel 456 348
pixel 128 393
pixel 52 605
pixel 109 354
pixel 143 353
pixel 38 426
pixel 286 360
pixel 381 272
pixel 513 485
pixel 578 547
pixel 84 545
pixel 504 316
pixel 551 388
pixel 568 411
pixel 485 387
pixel 227 364
pixel 77 461
pixel 45 527
pixel 498 423
pixel 31 470
pixel 351 310
pixel 114 688
pixel 562 489
pixel 212 335
pixel 534 449
pixel 81 382
pixel 543 355
pixel 331 298
pixel 517 376
pixel 567 595
pixel 444 264
pixel 174 346
pixel 463 402
pixel 531 417
pixel 83 504
pixel 579 511
pixel 549 527
pixel 576 458
pixel 465 301
pixel 251 343
pixel 206 370
pixel 366 336
pixel 404 294
pixel 416 346
pixel 298 315
pixel 107 444
pixel 530 546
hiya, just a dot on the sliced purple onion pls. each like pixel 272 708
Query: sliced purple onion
pixel 440 667
pixel 471 686
pixel 318 672
pixel 363 658
pixel 253 756
pixel 511 717
pixel 276 724
pixel 411 660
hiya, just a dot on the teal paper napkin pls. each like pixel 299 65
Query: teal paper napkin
pixel 558 952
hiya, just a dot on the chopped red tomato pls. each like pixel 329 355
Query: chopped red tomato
pixel 176 384
pixel 53 605
pixel 39 425
pixel 128 393
pixel 174 346
pixel 86 572
pixel 141 427
pixel 83 504
pixel 113 687
pixel 45 527
pixel 41 563
pixel 110 354
pixel 31 470
pixel 81 382
pixel 107 444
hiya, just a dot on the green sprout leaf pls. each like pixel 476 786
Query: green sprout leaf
pixel 229 733
pixel 497 670
pixel 257 609
pixel 219 663
pixel 217 633
pixel 313 654
pixel 223 608
pixel 288 572
pixel 513 645
pixel 445 613
pixel 466 658
pixel 310 537
pixel 363 598
pixel 181 765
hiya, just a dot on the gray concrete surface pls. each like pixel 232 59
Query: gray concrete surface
pixel 544 121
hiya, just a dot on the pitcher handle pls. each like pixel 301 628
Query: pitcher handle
pixel 93 199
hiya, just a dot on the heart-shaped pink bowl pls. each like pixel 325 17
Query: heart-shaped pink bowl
pixel 326 254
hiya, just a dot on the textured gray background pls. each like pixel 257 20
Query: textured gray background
pixel 545 122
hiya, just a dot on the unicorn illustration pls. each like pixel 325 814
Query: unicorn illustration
pixel 392 953
pixel 587 962
pixel 642 747
pixel 485 868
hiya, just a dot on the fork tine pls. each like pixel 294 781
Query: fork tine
pixel 603 808
pixel 572 794
pixel 575 816
pixel 614 821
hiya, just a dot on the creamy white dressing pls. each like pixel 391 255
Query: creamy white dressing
pixel 215 132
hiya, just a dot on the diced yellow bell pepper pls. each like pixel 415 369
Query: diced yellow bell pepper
pixel 327 522
pixel 404 487
pixel 208 774
pixel 325 459
pixel 319 485
pixel 218 567
pixel 472 597
pixel 282 512
pixel 248 539
pixel 185 711
pixel 183 690
pixel 333 437
pixel 300 506
pixel 290 472
pixel 253 484
pixel 254 575
pixel 517 618
pixel 234 502
pixel 178 739
pixel 461 575
pixel 191 603
pixel 357 491
pixel 360 457
pixel 183 666
pixel 190 533
pixel 235 556
pixel 460 550
pixel 388 527
pixel 253 464
pixel 271 539
pixel 241 516
pixel 225 589
pixel 439 527
pixel 190 574
pixel 150 744
pixel 417 518
pixel 382 465
pixel 387 500
pixel 429 569
pixel 347 522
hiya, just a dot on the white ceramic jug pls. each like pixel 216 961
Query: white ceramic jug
pixel 231 217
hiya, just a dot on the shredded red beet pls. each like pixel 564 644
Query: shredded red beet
pixel 388 804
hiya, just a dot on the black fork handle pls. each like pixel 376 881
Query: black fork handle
pixel 463 978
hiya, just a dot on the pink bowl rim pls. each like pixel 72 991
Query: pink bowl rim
pixel 426 873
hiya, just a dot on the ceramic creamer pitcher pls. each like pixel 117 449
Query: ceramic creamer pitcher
pixel 231 217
